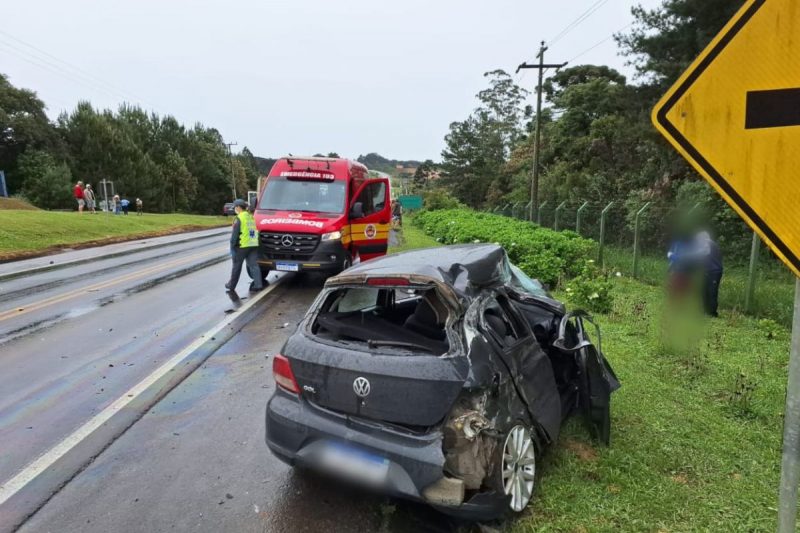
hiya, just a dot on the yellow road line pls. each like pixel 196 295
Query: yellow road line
pixel 19 311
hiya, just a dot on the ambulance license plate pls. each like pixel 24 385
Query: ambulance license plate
pixel 287 267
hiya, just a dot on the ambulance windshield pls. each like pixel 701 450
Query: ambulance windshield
pixel 284 194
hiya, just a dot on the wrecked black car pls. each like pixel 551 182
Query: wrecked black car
pixel 438 375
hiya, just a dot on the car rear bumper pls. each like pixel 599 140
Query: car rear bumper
pixel 297 429
pixel 329 256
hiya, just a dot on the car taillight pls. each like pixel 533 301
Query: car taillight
pixel 399 282
pixel 283 375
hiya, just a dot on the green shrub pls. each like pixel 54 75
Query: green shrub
pixel 544 254
pixel 435 199
pixel 591 291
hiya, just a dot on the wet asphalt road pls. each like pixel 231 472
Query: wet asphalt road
pixel 197 460
pixel 74 339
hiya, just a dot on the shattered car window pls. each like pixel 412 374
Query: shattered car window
pixel 519 280
pixel 382 318
pixel 356 300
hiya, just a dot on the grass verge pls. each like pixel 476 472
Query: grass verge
pixel 410 237
pixel 696 431
pixel 32 233
pixel 16 203
pixel 774 294
pixel 697 427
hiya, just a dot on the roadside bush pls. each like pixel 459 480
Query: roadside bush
pixel 435 199
pixel 47 183
pixel 544 254
pixel 591 291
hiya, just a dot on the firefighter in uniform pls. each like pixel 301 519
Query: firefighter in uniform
pixel 244 247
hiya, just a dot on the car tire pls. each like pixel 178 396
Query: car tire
pixel 514 474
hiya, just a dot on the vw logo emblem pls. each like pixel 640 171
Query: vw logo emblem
pixel 287 240
pixel 361 387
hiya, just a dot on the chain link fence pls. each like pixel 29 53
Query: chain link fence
pixel 633 240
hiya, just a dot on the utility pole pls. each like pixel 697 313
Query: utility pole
pixel 233 176
pixel 538 132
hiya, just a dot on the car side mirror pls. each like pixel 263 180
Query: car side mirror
pixel 357 211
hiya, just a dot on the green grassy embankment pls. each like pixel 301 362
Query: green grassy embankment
pixel 774 294
pixel 28 233
pixel 15 203
pixel 697 425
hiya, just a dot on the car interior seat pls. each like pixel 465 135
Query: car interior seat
pixel 498 325
pixel 429 317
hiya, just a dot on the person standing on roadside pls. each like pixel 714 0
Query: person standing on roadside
pixel 125 204
pixel 139 207
pixel 679 270
pixel 244 247
pixel 711 257
pixel 77 192
pixel 397 212
pixel 88 197
pixel 116 204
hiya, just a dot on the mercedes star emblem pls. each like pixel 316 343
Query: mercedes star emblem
pixel 287 240
pixel 361 387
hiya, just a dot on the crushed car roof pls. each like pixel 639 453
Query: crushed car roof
pixel 466 268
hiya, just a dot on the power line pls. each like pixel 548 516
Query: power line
pixel 72 71
pixel 233 176
pixel 575 23
pixel 50 67
pixel 541 67
pixel 598 43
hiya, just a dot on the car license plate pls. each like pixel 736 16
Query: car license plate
pixel 354 463
pixel 287 267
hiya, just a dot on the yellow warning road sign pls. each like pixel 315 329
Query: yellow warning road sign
pixel 735 116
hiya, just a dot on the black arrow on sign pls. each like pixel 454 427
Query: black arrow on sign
pixel 772 109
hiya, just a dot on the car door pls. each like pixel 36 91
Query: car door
pixel 597 379
pixel 532 372
pixel 370 219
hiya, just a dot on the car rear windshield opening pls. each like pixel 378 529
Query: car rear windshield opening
pixel 385 319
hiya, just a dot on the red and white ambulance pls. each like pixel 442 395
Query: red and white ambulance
pixel 321 214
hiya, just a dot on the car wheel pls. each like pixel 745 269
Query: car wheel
pixel 516 475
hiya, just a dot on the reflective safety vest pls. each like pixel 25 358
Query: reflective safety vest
pixel 248 234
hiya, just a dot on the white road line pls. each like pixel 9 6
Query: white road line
pixel 30 472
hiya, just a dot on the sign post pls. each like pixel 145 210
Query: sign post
pixel 790 463
pixel 3 188
pixel 735 116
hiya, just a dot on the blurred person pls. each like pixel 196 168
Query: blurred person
pixel 77 192
pixel 709 255
pixel 139 207
pixel 125 205
pixel 679 267
pixel 116 204
pixel 88 197
pixel 397 212
pixel 244 247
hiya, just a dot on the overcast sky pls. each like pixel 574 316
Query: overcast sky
pixel 299 76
